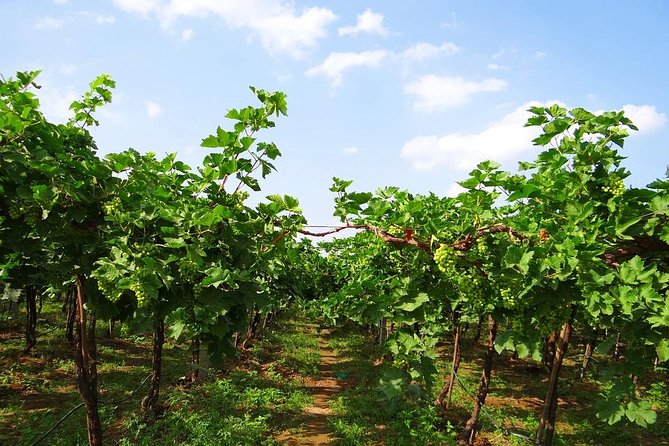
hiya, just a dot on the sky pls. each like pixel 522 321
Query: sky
pixel 406 93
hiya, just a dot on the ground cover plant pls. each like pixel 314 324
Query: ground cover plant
pixel 531 308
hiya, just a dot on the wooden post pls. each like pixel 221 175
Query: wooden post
pixel 472 425
pixel 447 392
pixel 31 317
pixel 149 403
pixel 546 429
pixel 86 366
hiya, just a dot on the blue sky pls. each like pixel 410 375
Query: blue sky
pixel 406 93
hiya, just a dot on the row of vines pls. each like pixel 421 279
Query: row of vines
pixel 151 242
pixel 559 248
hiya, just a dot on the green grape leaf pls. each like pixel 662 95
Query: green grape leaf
pixel 640 413
pixel 609 410
pixel 662 349
pixel 413 305
pixel 504 341
pixel 177 328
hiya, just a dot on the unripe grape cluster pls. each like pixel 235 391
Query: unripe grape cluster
pixel 140 294
pixel 125 330
pixel 31 217
pixel 197 289
pixel 615 186
pixel 482 247
pixel 509 298
pixel 554 320
pixel 15 210
pixel 188 270
pixel 113 206
pixel 472 286
pixel 21 208
pixel 145 249
pixel 107 290
pixel 468 281
pixel 445 257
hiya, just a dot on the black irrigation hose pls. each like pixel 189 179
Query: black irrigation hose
pixel 101 402
pixel 46 434
pixel 123 400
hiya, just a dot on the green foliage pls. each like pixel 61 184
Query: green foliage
pixel 563 236
pixel 155 239
pixel 152 238
pixel 357 418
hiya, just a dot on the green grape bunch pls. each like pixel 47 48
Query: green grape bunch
pixel 197 289
pixel 473 287
pixel 509 298
pixel 145 249
pixel 188 270
pixel 15 210
pixel 107 290
pixel 554 320
pixel 31 217
pixel 113 206
pixel 140 294
pixel 18 209
pixel 614 186
pixel 446 259
pixel 482 247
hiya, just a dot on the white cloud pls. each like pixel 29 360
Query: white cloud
pixel 539 55
pixel 186 35
pixel 105 19
pixel 455 190
pixel 49 23
pixel 60 2
pixel 52 23
pixel 442 92
pixel 276 23
pixel 368 22
pixel 153 110
pixel 505 105
pixel 143 7
pixel 500 141
pixel 496 67
pixel 351 150
pixel 55 103
pixel 335 64
pixel 96 18
pixel 284 76
pixel 291 33
pixel 499 54
pixel 423 50
pixel 645 117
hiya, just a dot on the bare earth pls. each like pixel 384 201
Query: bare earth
pixel 316 431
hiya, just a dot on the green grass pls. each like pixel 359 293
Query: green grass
pixel 517 390
pixel 358 415
pixel 247 406
pixel 294 348
pixel 37 389
pixel 260 397
pixel 241 409
pixel 263 394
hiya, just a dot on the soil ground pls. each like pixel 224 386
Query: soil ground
pixel 322 387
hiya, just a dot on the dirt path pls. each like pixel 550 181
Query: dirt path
pixel 322 388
